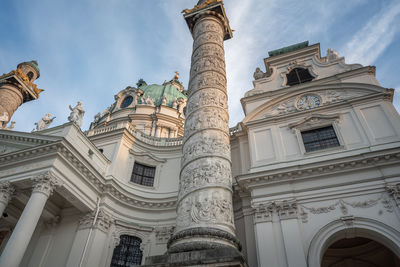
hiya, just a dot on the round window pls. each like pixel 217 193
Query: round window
pixel 126 102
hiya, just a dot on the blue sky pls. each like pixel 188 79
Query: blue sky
pixel 89 50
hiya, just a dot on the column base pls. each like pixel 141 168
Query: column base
pixel 224 256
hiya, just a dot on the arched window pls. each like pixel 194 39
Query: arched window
pixel 30 75
pixel 128 252
pixel 298 75
pixel 126 102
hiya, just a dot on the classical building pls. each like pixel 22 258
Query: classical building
pixel 315 171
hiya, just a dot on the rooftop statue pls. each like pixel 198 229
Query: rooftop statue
pixel 44 123
pixel 77 113
pixel 258 74
pixel 331 55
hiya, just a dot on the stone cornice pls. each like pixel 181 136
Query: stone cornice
pixel 88 173
pixel 307 171
pixel 27 137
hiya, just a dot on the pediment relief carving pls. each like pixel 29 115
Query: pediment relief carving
pixel 311 100
pixel 147 157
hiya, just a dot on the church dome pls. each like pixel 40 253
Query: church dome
pixel 156 110
pixel 157 92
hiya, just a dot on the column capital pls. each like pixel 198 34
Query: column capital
pixel 45 183
pixel 6 191
pixel 103 220
pixel 213 8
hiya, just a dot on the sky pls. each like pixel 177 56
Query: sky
pixel 89 50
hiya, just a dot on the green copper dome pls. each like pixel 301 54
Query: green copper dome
pixel 157 92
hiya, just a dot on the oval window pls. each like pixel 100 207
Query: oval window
pixel 127 101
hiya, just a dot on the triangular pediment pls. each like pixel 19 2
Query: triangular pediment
pixel 313 98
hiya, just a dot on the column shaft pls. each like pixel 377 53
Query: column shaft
pixel 23 231
pixel 205 215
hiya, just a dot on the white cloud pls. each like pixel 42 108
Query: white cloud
pixel 377 34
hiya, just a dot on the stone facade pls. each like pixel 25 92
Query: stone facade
pixel 67 197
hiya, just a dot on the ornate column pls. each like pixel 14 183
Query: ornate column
pixel 16 88
pixel 205 215
pixel 22 234
pixel 6 191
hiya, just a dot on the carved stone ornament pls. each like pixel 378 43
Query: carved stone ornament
pixel 163 234
pixel 44 122
pixel 103 221
pixel 45 183
pixel 315 120
pixel 344 205
pixel 6 192
pixel 312 100
pixel 394 191
pixel 286 209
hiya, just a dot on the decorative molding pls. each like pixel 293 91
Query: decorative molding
pixel 163 234
pixel 45 183
pixel 147 156
pixel 367 161
pixel 394 191
pixel 286 209
pixel 6 192
pixel 103 221
pixel 343 206
pixel 297 64
pixel 315 120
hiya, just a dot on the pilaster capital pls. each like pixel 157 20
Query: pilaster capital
pixel 45 183
pixel 287 209
pixel 103 221
pixel 394 191
pixel 263 212
pixel 6 191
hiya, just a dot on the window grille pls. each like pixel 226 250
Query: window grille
pixel 318 139
pixel 128 252
pixel 298 75
pixel 143 174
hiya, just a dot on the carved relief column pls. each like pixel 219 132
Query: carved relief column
pixel 205 215
pixel 22 234
pixel 6 191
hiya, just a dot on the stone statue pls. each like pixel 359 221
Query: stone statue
pixel 97 117
pixel 258 74
pixel 181 105
pixel 3 120
pixel 77 113
pixel 44 123
pixel 331 55
pixel 175 103
pixel 164 101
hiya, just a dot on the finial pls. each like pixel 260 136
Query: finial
pixel 176 77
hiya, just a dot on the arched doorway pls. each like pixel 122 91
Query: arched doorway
pixel 357 232
pixel 358 252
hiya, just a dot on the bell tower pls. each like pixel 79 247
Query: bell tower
pixel 16 88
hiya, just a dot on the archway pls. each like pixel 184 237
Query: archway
pixel 338 230
pixel 358 252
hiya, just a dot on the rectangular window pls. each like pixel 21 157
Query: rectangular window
pixel 318 139
pixel 143 174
